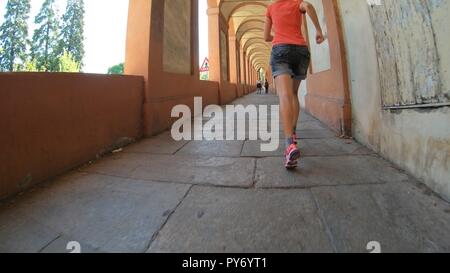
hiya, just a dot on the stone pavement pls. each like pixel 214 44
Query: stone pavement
pixel 159 195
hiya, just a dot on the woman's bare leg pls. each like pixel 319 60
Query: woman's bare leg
pixel 284 84
pixel 296 103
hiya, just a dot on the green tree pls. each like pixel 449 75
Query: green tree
pixel 72 31
pixel 13 35
pixel 45 38
pixel 68 64
pixel 117 69
pixel 30 66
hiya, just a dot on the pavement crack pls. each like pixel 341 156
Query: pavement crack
pixel 242 147
pixel 49 243
pixel 182 146
pixel 254 179
pixel 253 185
pixel 322 186
pixel 324 222
pixel 156 234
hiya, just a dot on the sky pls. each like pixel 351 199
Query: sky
pixel 105 31
pixel 203 30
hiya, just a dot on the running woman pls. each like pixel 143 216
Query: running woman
pixel 290 61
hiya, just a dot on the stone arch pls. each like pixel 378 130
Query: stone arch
pixel 239 4
pixel 253 24
pixel 252 41
pixel 255 30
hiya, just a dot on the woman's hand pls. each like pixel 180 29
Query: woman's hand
pixel 320 38
pixel 306 7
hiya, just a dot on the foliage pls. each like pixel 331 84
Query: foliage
pixel 72 31
pixel 13 35
pixel 117 69
pixel 68 64
pixel 30 66
pixel 45 38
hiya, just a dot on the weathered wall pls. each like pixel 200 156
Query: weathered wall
pixel 50 123
pixel 409 52
pixel 417 140
pixel 177 36
pixel 328 97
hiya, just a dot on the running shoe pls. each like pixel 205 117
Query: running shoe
pixel 292 155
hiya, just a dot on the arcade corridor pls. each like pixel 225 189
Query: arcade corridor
pixel 159 195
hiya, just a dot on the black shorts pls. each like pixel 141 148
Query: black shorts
pixel 291 60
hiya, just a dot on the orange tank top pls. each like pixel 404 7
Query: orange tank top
pixel 287 22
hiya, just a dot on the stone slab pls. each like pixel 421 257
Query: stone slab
pixel 399 216
pixel 323 171
pixel 220 220
pixel 315 134
pixel 309 147
pixel 111 214
pixel 161 144
pixel 212 148
pixel 20 233
pixel 205 170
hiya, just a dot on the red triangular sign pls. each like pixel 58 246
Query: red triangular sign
pixel 205 66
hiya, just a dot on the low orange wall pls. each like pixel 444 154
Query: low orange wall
pixel 51 123
pixel 249 89
pixel 240 90
pixel 228 92
pixel 171 90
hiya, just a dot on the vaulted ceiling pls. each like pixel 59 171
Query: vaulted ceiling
pixel 246 18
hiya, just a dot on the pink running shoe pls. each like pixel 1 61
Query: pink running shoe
pixel 292 155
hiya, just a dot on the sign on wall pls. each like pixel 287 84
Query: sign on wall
pixel 204 70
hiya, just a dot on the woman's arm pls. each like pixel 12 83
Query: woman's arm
pixel 268 30
pixel 305 31
pixel 306 7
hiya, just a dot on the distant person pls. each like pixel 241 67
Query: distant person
pixel 266 86
pixel 290 60
pixel 258 87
